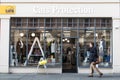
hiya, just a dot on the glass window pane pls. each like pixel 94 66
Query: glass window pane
pixel 30 22
pixel 98 22
pixel 65 22
pixel 86 36
pixel 87 22
pixel 92 22
pixel 13 22
pixel 75 22
pixel 81 22
pixel 103 41
pixel 41 22
pixel 17 47
pixel 69 22
pixel 35 22
pixel 19 22
pixel 24 22
pixel 53 22
pixel 58 22
pixel 48 22
pixel 103 22
pixel 53 47
pixel 36 54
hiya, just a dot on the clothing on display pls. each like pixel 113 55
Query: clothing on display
pixel 20 49
pixel 53 47
pixel 101 50
pixel 21 44
pixel 102 46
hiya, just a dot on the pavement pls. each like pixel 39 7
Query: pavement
pixel 64 76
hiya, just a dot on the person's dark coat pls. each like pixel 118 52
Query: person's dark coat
pixel 93 55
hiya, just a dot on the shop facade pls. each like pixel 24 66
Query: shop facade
pixel 63 30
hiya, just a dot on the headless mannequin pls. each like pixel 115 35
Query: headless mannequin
pixel 101 48
pixel 53 48
pixel 19 49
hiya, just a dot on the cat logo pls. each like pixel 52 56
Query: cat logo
pixel 7 9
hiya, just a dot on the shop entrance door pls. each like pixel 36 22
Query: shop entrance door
pixel 69 59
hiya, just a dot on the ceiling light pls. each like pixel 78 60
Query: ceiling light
pixel 68 41
pixel 96 34
pixel 33 34
pixel 21 34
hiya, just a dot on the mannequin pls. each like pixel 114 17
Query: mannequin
pixel 101 48
pixel 20 50
pixel 53 48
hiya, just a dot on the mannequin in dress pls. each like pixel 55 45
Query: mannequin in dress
pixel 53 48
pixel 101 48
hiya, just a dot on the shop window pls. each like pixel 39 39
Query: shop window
pixel 81 22
pixel 53 46
pixel 53 22
pixel 13 22
pixel 30 22
pixel 41 22
pixel 47 36
pixel 35 22
pixel 24 22
pixel 70 22
pixel 91 22
pixel 109 22
pixel 48 22
pixel 103 42
pixel 58 22
pixel 86 22
pixel 103 22
pixel 75 22
pixel 65 22
pixel 98 22
pixel 19 21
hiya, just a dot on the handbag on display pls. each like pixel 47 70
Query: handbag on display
pixel 43 62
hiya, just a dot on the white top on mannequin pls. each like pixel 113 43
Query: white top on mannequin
pixel 21 44
pixel 52 47
pixel 101 45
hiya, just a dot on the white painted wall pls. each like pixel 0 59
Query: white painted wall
pixel 0 35
pixel 0 29
pixel 116 45
pixel 66 10
pixel 4 46
pixel 59 0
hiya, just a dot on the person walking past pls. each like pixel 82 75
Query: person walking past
pixel 93 59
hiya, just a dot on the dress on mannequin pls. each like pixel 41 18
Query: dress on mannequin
pixel 53 48
pixel 101 49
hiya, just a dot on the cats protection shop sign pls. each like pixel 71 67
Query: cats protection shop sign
pixel 7 9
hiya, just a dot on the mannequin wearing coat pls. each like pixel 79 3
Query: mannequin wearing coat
pixel 20 49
